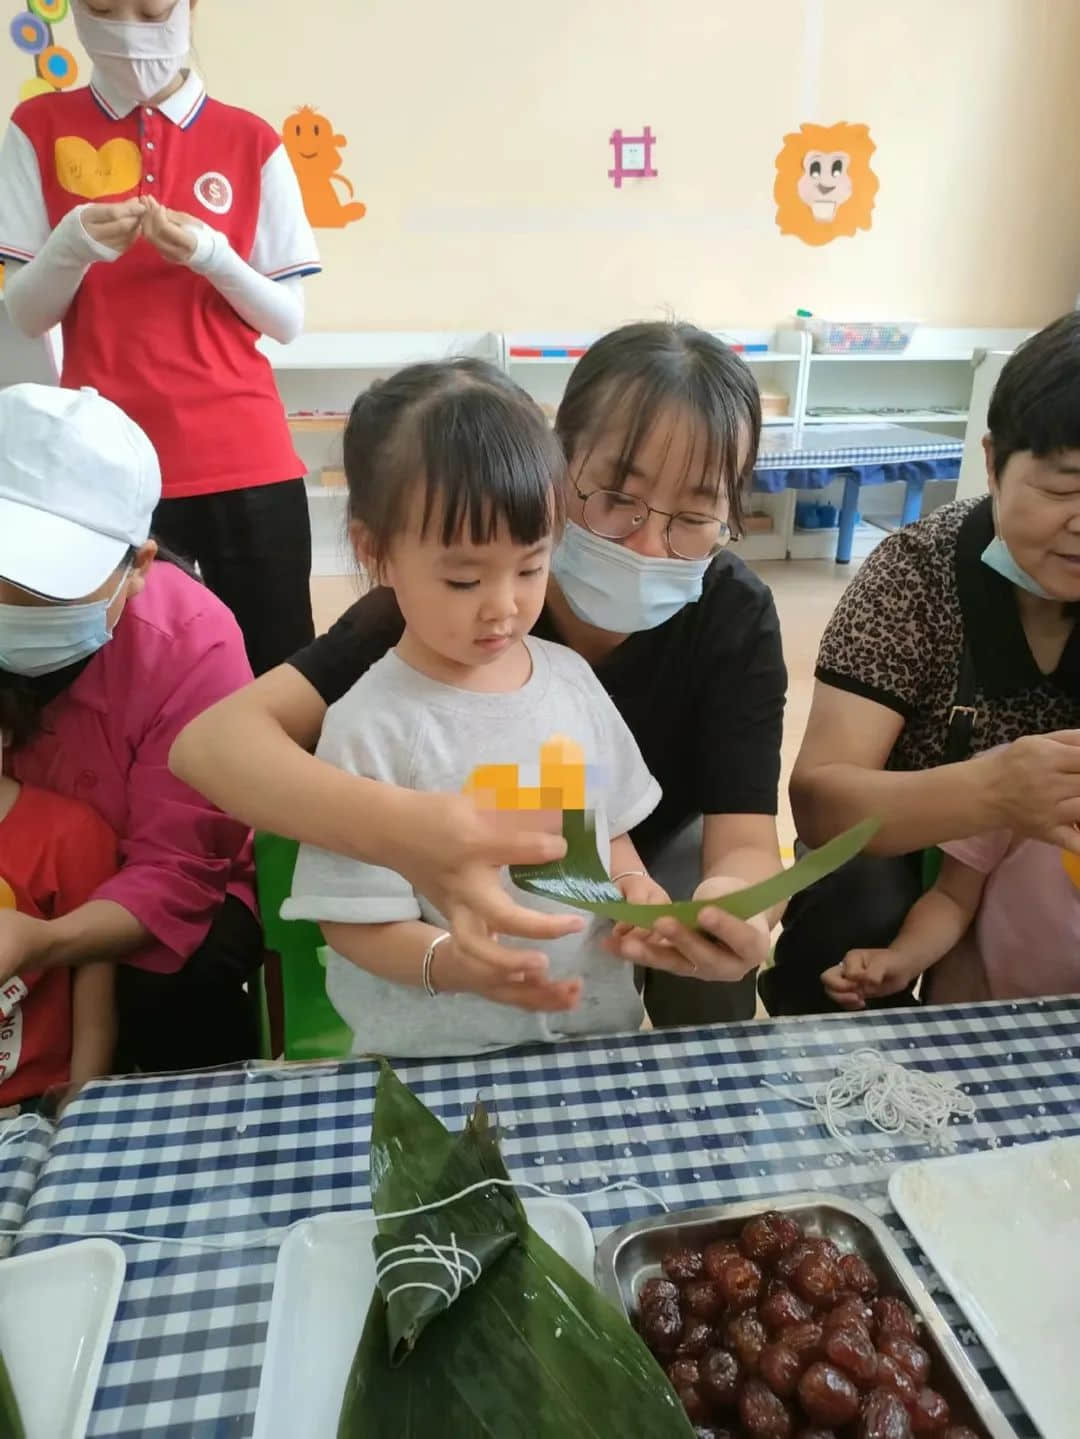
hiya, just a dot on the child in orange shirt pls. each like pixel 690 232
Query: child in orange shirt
pixel 57 1026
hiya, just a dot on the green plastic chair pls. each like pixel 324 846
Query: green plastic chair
pixel 312 1027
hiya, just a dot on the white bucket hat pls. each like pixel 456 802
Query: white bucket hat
pixel 79 482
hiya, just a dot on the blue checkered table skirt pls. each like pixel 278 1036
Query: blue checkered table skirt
pixel 239 1155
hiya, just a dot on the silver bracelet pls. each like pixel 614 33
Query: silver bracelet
pixel 425 967
pixel 629 874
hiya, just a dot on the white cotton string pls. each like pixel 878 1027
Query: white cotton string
pixel 893 1099
pixel 149 1236
pixel 462 1267
pixel 12 1130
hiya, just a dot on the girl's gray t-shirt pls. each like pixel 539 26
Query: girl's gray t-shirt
pixel 396 724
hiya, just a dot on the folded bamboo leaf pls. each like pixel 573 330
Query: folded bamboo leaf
pixel 11 1425
pixel 579 879
pixel 531 1348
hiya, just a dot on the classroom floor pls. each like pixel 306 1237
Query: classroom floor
pixel 806 593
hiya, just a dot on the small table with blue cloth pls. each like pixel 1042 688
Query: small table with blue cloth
pixel 818 456
pixel 234 1157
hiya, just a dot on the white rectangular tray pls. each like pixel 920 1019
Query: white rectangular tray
pixel 323 1285
pixel 56 1313
pixel 1002 1228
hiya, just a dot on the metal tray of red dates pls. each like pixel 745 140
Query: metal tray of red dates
pixel 768 1331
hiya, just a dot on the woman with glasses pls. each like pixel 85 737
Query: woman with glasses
pixel 660 424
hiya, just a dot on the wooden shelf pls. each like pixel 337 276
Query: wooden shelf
pixel 316 424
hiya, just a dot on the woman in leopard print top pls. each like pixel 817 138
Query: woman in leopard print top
pixel 998 578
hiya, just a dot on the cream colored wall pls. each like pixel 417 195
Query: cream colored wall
pixel 478 138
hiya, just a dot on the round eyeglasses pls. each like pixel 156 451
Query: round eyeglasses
pixel 614 515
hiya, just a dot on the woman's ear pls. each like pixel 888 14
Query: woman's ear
pixel 991 472
pixel 145 556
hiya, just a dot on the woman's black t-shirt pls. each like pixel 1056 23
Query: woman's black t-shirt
pixel 703 693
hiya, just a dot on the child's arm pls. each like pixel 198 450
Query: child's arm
pixel 93 1020
pixel 935 924
pixel 396 952
pixel 628 874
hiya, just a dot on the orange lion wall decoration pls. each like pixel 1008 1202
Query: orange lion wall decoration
pixel 824 184
pixel 315 151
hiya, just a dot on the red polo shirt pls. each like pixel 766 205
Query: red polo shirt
pixel 54 853
pixel 157 338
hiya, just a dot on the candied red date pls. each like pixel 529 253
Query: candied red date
pixel 826 1247
pixel 815 1434
pixel 910 1356
pixel 683 1371
pixel 697 1336
pixel 929 1413
pixel 787 1231
pixel 661 1326
pixel 807 1340
pixel 896 1380
pixel 883 1417
pixel 857 1275
pixel 716 1256
pixel 740 1283
pixel 851 1349
pixel 719 1376
pixel 817 1280
pixel 828 1395
pixel 682 1265
pixel 692 1402
pixel 849 1310
pixel 655 1289
pixel 783 1308
pixel 703 1298
pixel 745 1336
pixel 780 1368
pixel 762 1238
pixel 763 1415
pixel 892 1316
pixel 791 1258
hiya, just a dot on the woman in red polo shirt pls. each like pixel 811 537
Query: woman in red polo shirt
pixel 165 232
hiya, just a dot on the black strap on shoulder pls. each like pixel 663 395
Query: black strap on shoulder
pixel 963 714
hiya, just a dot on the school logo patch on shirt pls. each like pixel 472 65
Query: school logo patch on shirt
pixel 91 173
pixel 214 191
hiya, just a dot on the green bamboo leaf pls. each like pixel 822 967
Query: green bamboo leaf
pixel 11 1425
pixel 531 1348
pixel 579 879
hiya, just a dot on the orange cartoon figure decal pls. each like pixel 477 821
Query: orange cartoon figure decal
pixel 315 151
pixel 824 184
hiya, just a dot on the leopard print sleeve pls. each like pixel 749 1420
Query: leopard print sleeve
pixel 896 635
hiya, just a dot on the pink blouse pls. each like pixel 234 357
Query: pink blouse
pixel 106 741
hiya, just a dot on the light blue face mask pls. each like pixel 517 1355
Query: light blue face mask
pixel 41 639
pixel 999 558
pixel 618 590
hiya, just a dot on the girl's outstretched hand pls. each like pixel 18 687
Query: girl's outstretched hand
pixel 451 852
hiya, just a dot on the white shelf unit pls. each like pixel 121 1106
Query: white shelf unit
pixel 318 377
pixel 934 374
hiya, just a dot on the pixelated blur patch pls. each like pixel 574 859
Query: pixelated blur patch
pixel 561 781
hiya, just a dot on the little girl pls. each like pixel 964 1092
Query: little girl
pixel 455 485
pixel 57 1026
pixel 1026 938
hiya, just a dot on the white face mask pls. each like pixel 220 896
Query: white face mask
pixel 1000 559
pixel 41 639
pixel 136 58
pixel 616 589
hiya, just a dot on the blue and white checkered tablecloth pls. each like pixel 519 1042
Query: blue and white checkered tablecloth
pixel 849 446
pixel 238 1155
pixel 24 1144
